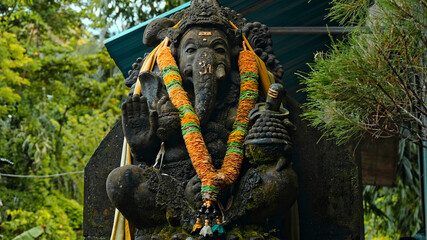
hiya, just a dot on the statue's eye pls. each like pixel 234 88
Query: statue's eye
pixel 220 50
pixel 190 50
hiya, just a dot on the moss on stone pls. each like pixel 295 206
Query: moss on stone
pixel 168 231
pixel 246 232
pixel 169 214
pixel 262 154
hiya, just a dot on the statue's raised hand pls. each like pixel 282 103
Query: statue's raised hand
pixel 139 126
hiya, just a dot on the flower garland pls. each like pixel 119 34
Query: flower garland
pixel 212 179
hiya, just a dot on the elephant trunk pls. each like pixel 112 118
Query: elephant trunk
pixel 206 73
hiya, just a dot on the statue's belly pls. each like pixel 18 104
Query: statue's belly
pixel 182 170
pixel 177 162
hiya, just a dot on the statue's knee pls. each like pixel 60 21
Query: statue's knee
pixel 123 182
pixel 130 190
pixel 265 191
pixel 284 183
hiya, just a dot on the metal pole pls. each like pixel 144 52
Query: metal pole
pixel 310 30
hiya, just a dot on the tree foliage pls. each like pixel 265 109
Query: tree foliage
pixel 60 93
pixel 374 81
pixel 124 14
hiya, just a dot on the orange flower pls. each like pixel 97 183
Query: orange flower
pixel 247 62
pixel 190 117
pixel 165 58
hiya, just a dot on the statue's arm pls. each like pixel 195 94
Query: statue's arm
pixel 139 127
pixel 148 119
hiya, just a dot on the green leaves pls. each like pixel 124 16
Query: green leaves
pixel 56 216
pixel 349 12
pixel 13 62
pixel 31 234
pixel 60 94
pixel 57 102
pixel 126 14
pixel 372 81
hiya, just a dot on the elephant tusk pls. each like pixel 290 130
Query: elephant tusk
pixel 220 71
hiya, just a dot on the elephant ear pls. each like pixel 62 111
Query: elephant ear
pixel 156 31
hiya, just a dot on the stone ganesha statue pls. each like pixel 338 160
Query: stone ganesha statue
pixel 162 193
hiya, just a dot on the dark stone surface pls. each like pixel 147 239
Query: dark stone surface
pixel 330 186
pixel 98 212
pixel 330 199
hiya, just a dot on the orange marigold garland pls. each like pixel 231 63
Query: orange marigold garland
pixel 190 124
pixel 212 179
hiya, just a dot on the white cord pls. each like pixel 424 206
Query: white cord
pixel 160 156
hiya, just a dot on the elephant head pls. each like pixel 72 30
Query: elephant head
pixel 204 61
pixel 203 43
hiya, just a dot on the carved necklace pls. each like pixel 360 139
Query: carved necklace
pixel 212 179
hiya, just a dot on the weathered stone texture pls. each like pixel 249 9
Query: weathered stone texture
pixel 330 187
pixel 98 212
